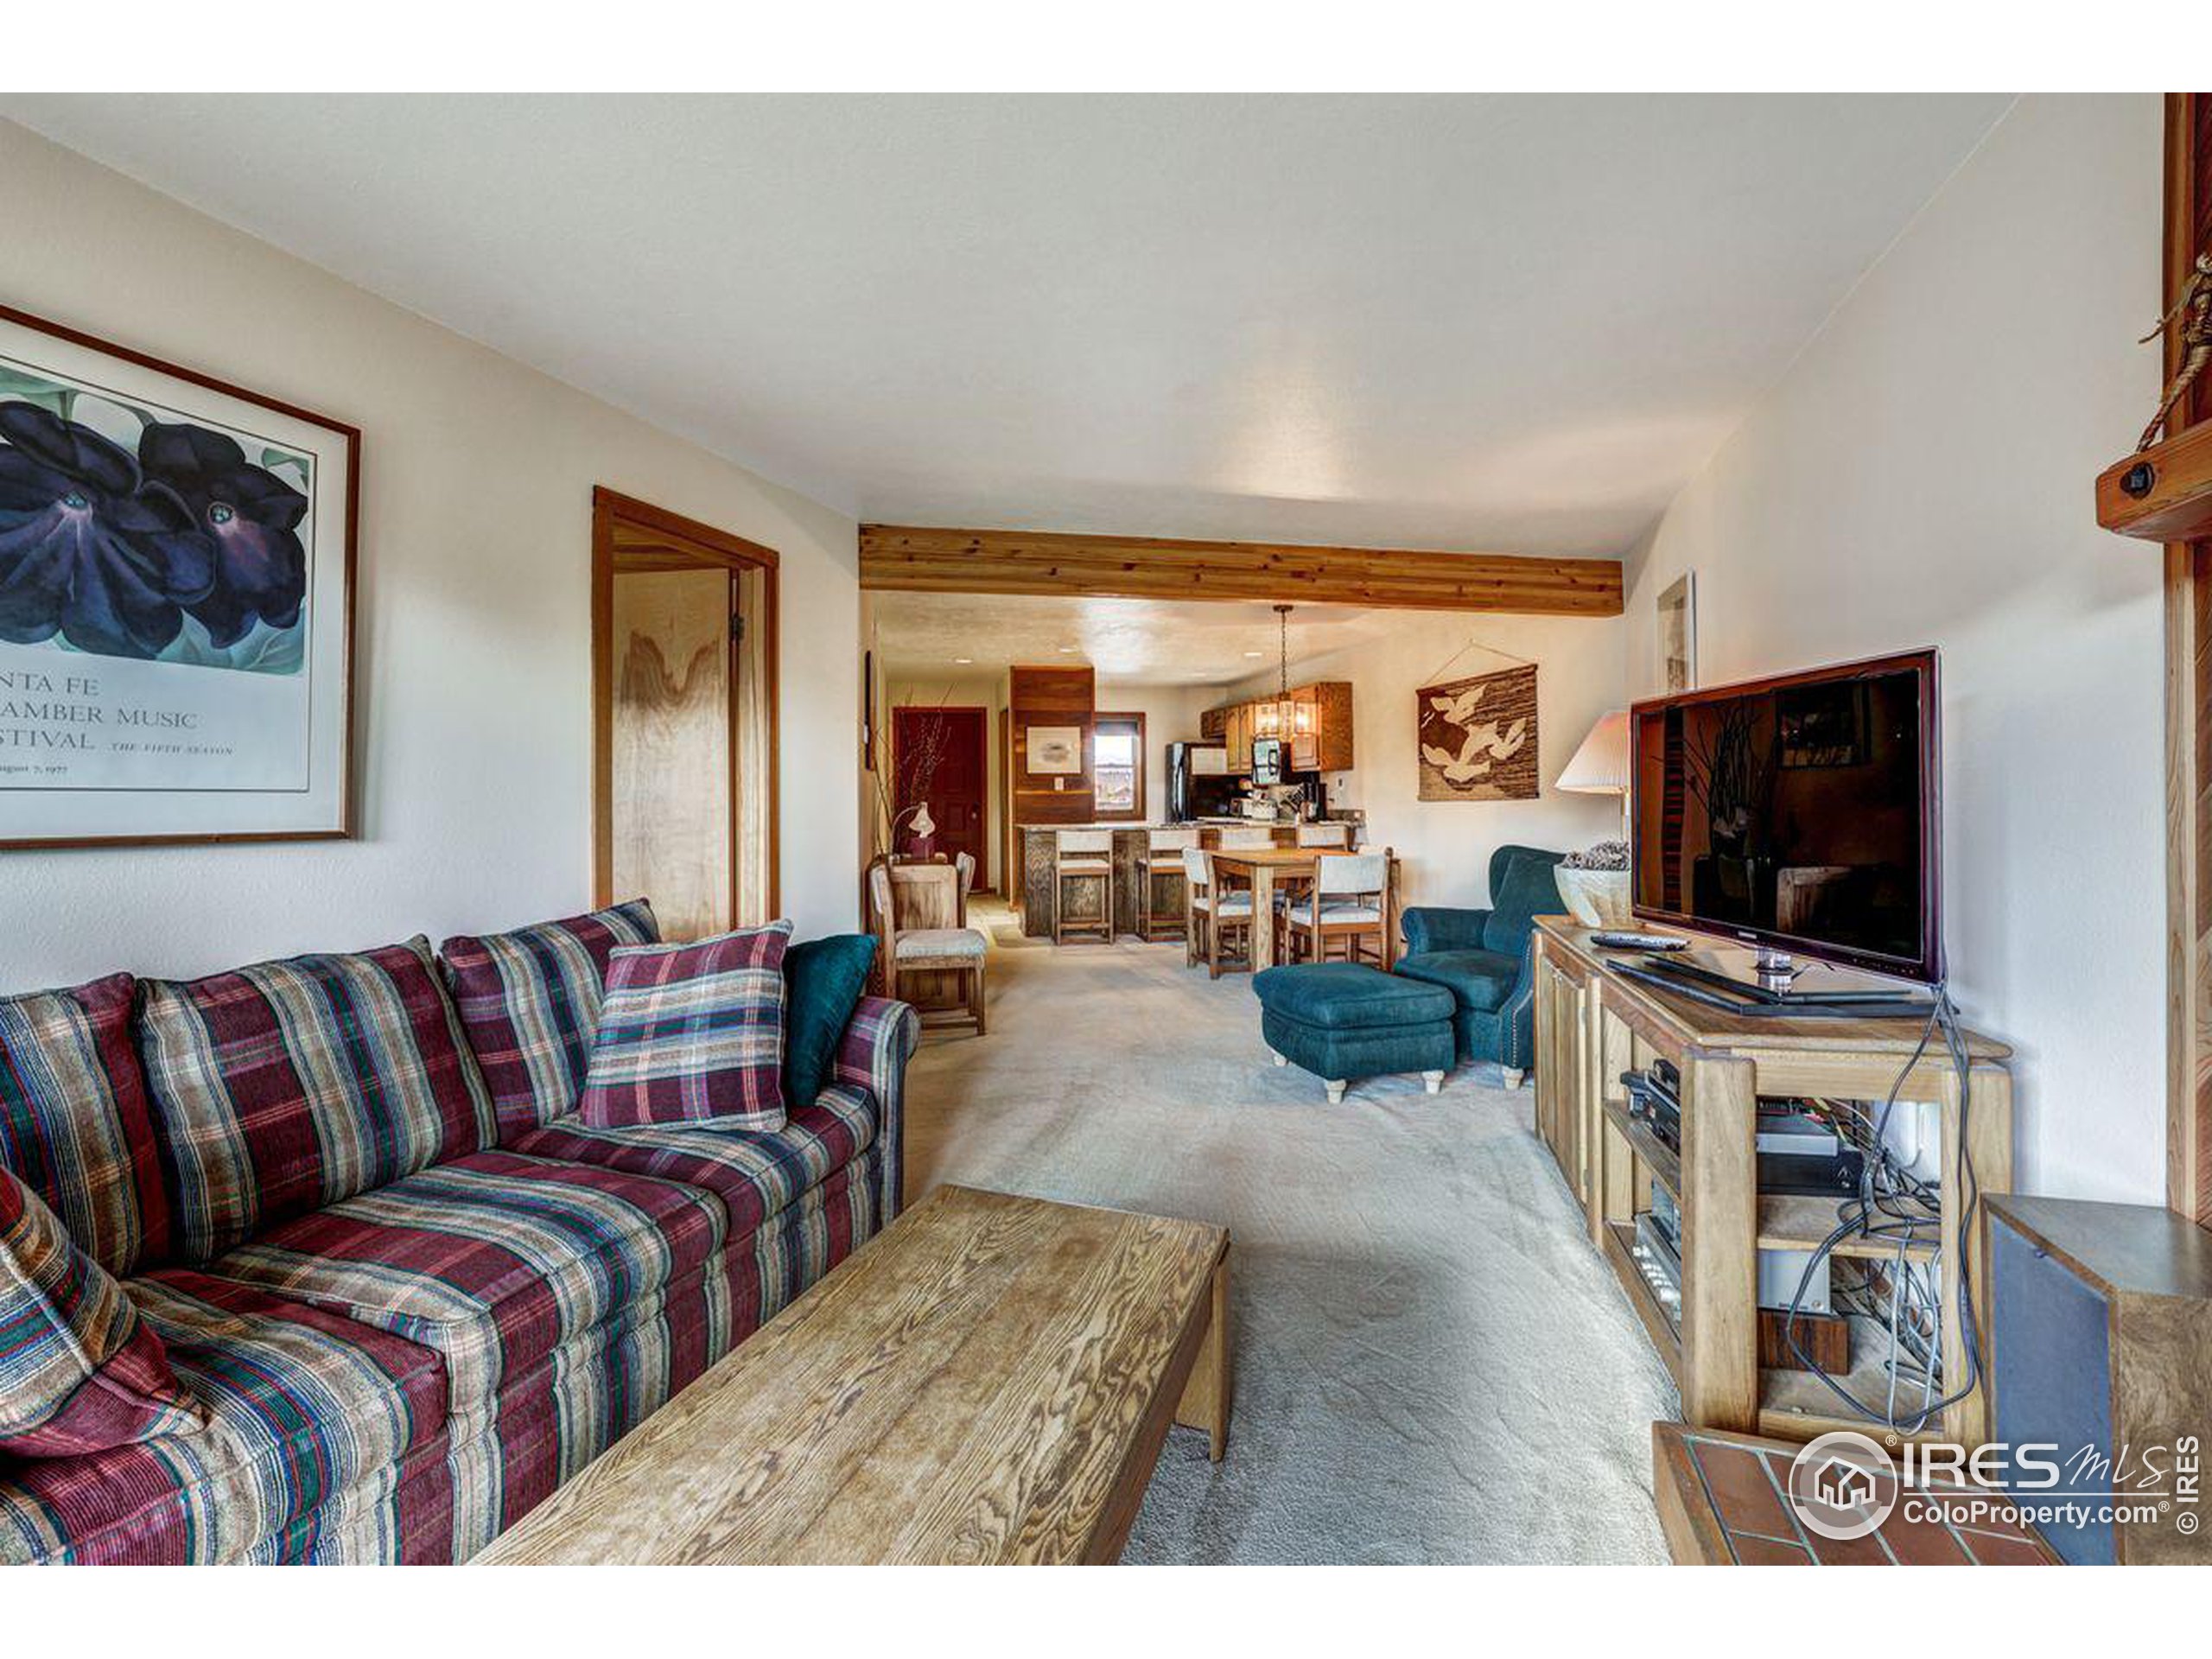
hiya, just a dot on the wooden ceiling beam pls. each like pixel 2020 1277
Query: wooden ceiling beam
pixel 906 559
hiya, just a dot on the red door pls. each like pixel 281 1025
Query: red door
pixel 942 761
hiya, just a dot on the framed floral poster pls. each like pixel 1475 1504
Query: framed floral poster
pixel 176 580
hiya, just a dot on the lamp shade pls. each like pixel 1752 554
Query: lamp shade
pixel 1600 765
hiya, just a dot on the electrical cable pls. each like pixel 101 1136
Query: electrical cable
pixel 1905 1205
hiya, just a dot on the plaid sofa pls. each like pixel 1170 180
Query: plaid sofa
pixel 409 1312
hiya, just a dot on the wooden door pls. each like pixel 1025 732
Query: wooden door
pixel 684 654
pixel 941 760
pixel 671 728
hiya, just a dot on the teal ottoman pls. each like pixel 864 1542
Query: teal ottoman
pixel 1341 1020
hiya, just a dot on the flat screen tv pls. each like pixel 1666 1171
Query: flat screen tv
pixel 1800 814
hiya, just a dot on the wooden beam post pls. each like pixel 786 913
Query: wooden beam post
pixel 899 558
pixel 2187 587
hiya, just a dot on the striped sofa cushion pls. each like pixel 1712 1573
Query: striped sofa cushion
pixel 529 1000
pixel 291 1085
pixel 74 1125
pixel 690 1033
pixel 494 1259
pixel 754 1174
pixel 309 1415
pixel 79 1370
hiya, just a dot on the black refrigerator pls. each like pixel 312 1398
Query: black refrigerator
pixel 1198 783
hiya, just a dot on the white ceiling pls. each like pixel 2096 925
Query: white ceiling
pixel 1152 642
pixel 1511 323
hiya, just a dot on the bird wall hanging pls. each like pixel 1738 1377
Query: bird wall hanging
pixel 1477 737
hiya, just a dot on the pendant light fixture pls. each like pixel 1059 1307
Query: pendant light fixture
pixel 1280 718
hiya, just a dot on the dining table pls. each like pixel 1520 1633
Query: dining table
pixel 1272 869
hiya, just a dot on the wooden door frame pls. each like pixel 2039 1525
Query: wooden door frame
pixel 983 870
pixel 2188 588
pixel 704 545
pixel 1011 863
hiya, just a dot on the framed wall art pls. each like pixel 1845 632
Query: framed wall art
pixel 1677 608
pixel 176 592
pixel 1056 751
pixel 1477 737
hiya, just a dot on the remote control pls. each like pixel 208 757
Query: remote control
pixel 1614 940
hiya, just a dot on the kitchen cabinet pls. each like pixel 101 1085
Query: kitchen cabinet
pixel 1320 739
pixel 1239 738
pixel 1332 746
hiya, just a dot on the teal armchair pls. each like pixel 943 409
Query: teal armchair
pixel 1486 958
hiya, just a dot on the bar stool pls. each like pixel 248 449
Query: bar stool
pixel 1213 913
pixel 1083 856
pixel 1349 900
pixel 1162 861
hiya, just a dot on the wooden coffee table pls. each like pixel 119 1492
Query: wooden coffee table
pixel 989 1381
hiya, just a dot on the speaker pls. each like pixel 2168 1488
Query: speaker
pixel 2100 1340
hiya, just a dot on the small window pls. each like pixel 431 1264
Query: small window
pixel 1117 765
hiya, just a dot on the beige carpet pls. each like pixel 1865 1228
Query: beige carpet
pixel 1432 1364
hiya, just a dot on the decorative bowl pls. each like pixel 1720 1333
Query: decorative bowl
pixel 1597 897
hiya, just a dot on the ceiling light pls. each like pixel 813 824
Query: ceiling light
pixel 964 661
pixel 1256 653
pixel 1067 651
pixel 1282 718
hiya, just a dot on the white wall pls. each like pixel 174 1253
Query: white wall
pixel 472 695
pixel 1444 846
pixel 1923 477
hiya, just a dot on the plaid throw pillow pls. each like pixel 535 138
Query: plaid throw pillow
pixel 289 1086
pixel 74 1125
pixel 688 1033
pixel 79 1370
pixel 529 1000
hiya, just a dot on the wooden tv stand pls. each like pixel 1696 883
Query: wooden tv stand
pixel 1592 1025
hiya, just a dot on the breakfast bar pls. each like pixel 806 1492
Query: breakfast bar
pixel 1039 902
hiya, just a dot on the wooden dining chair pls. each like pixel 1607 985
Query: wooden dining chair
pixel 1197 897
pixel 1216 914
pixel 1162 862
pixel 965 863
pixel 917 910
pixel 1241 838
pixel 1081 855
pixel 1348 903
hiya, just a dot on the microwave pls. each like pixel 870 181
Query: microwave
pixel 1266 761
